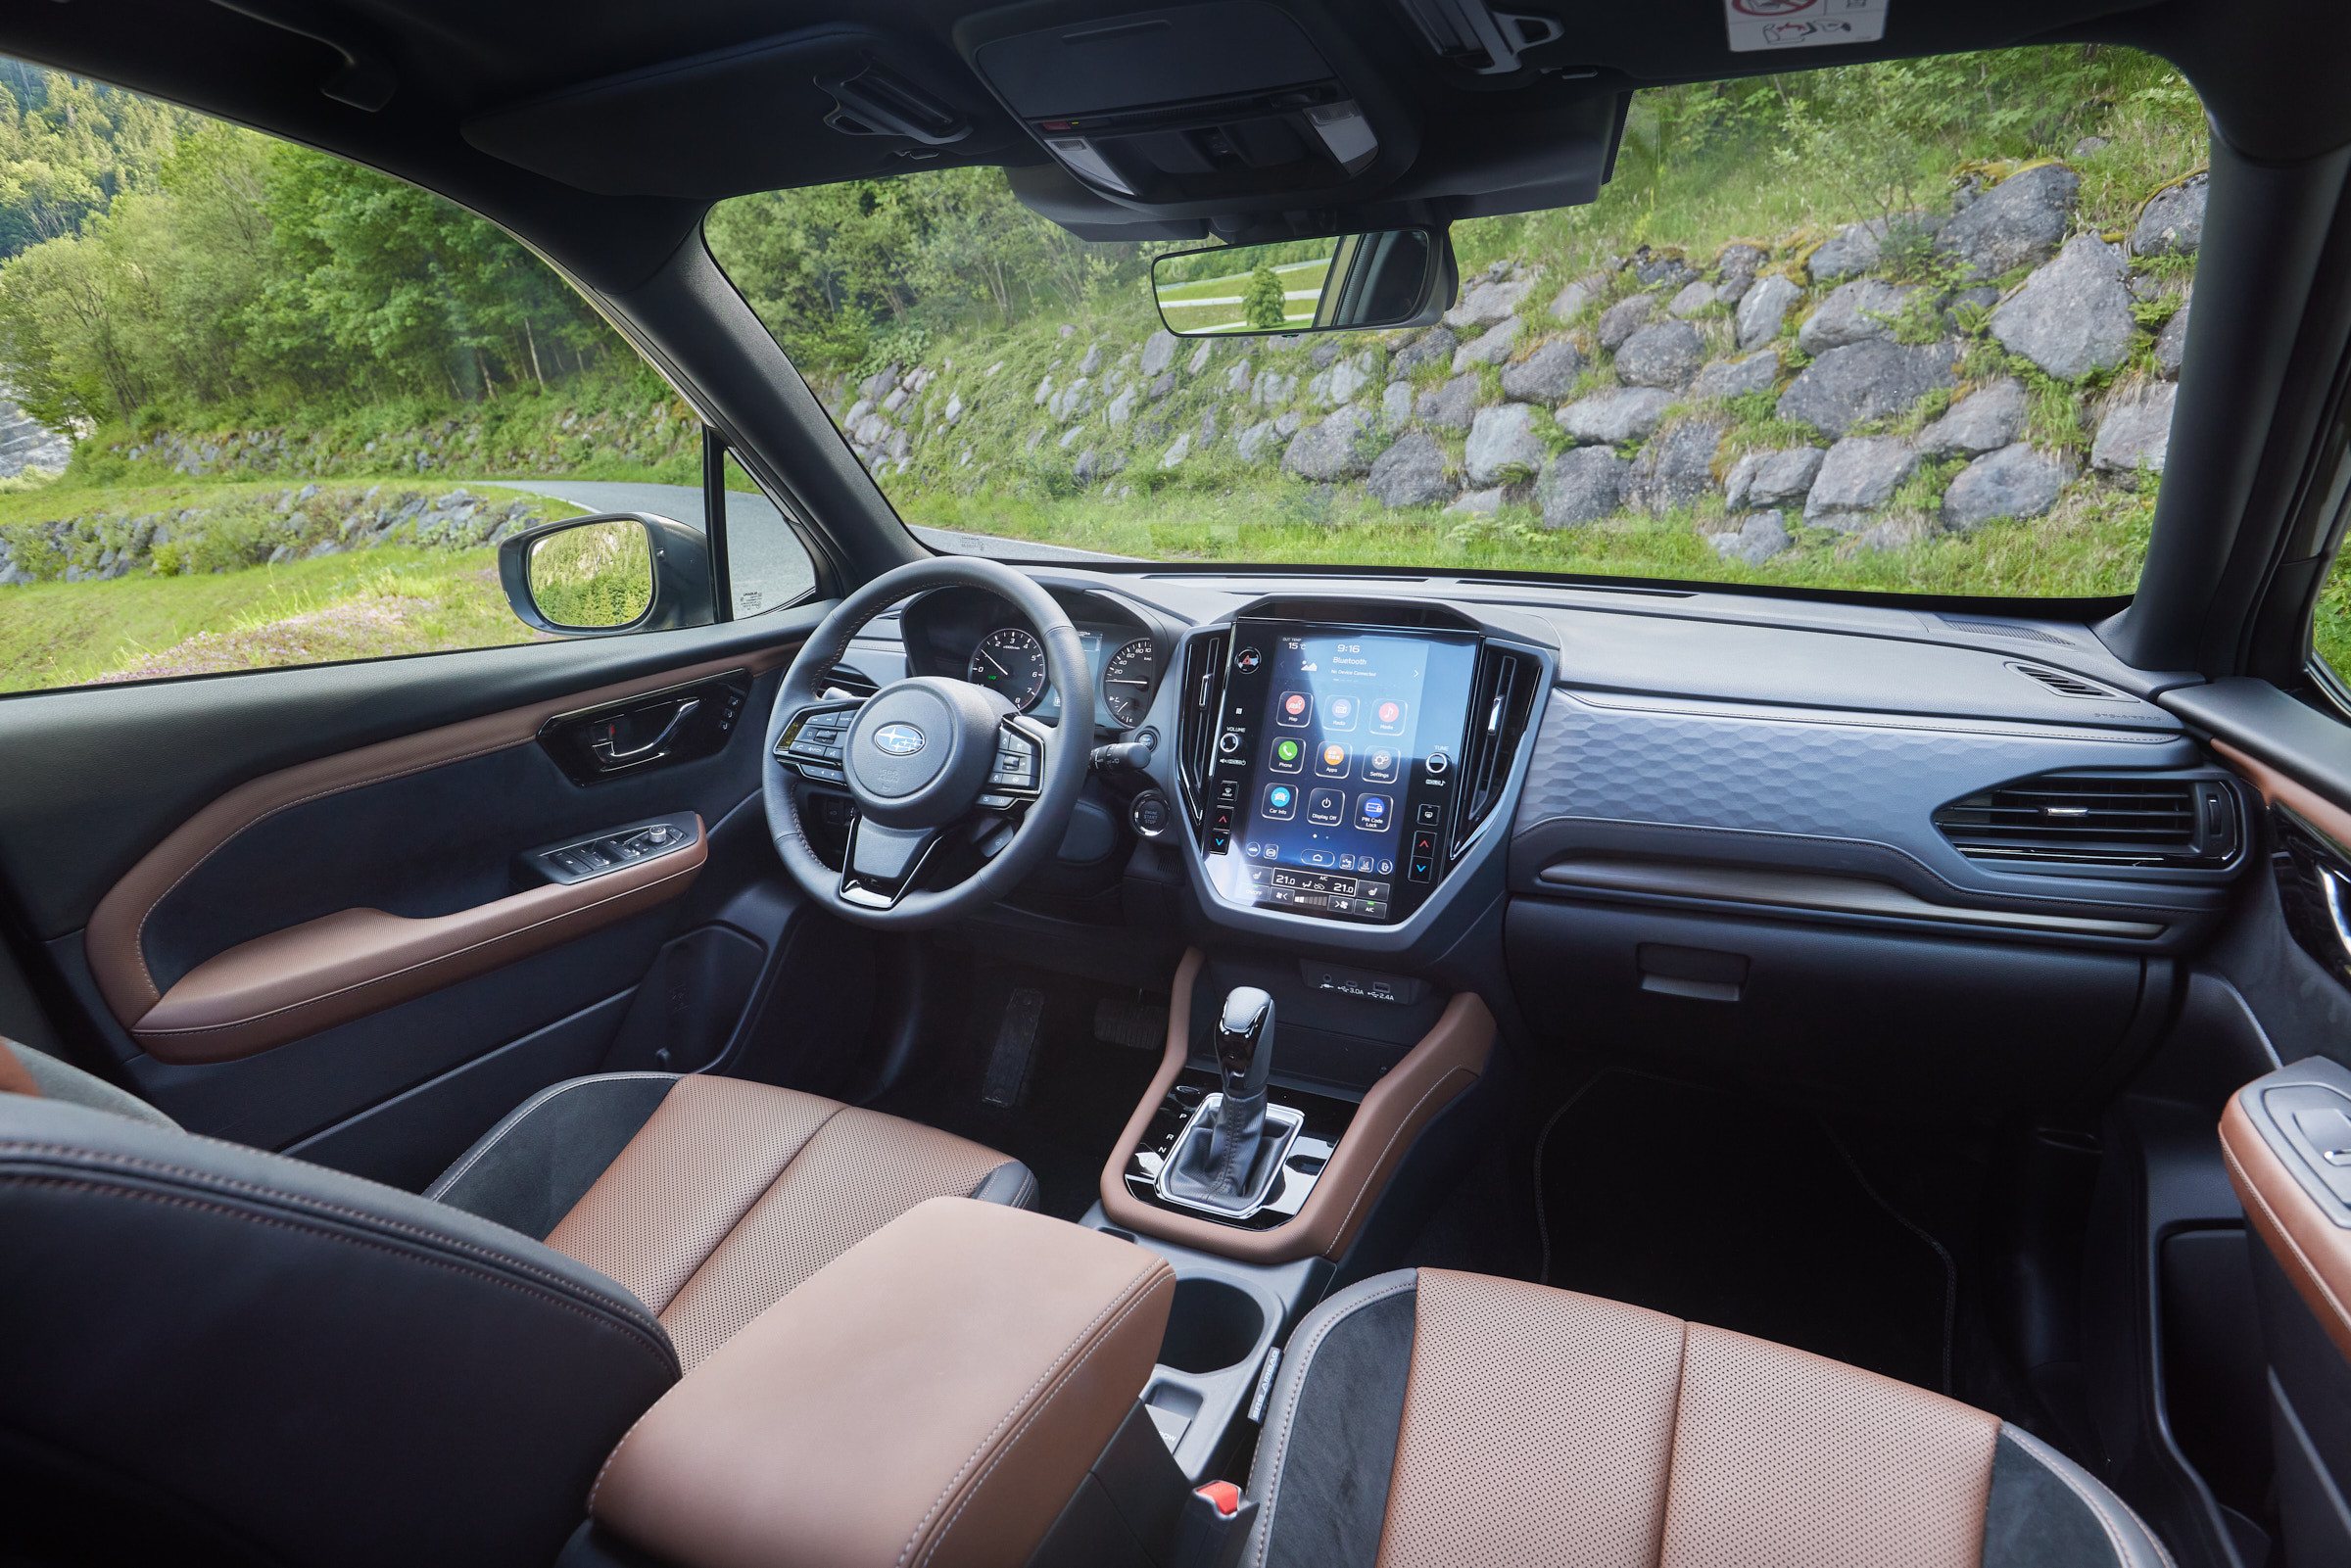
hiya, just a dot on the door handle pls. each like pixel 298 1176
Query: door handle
pixel 611 754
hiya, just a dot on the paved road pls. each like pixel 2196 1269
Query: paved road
pixel 763 556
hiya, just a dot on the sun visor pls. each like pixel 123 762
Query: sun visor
pixel 807 108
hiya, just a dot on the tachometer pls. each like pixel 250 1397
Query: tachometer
pixel 1126 681
pixel 1010 660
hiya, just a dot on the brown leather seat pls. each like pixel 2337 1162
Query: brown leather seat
pixel 214 1354
pixel 1431 1417
pixel 710 1199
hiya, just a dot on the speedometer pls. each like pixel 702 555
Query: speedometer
pixel 1126 681
pixel 1011 661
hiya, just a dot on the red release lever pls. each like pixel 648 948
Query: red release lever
pixel 1225 1494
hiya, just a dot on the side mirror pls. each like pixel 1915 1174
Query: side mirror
pixel 597 576
pixel 1403 277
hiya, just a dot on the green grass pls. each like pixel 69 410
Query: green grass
pixel 1214 304
pixel 2331 625
pixel 2092 545
pixel 365 604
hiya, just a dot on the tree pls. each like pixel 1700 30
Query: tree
pixel 1261 303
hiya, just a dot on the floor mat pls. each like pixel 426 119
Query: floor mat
pixel 1743 1216
pixel 1074 1092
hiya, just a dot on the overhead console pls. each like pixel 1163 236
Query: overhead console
pixel 1341 762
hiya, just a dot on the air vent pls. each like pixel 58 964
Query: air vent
pixel 2064 685
pixel 1986 627
pixel 2098 821
pixel 1196 727
pixel 1503 696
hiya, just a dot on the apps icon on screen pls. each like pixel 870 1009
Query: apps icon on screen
pixel 1331 761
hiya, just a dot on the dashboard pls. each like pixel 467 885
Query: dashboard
pixel 1871 767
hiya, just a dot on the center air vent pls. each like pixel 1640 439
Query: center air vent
pixel 2098 821
pixel 1502 698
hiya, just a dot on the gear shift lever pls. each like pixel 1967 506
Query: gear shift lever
pixel 1225 1160
pixel 1245 1054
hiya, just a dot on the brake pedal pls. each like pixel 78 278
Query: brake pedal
pixel 1006 1081
pixel 1137 1025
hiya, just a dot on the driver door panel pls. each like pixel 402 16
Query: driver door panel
pixel 348 956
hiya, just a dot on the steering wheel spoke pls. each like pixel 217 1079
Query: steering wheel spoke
pixel 1014 777
pixel 815 740
pixel 883 863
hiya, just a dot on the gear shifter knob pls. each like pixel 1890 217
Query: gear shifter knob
pixel 1245 1042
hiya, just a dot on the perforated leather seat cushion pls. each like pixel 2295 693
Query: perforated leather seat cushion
pixel 1431 1418
pixel 729 1194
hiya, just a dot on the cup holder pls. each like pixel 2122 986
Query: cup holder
pixel 1211 1326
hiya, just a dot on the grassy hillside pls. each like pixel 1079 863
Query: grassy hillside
pixel 395 599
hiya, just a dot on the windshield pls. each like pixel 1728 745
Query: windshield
pixel 1912 326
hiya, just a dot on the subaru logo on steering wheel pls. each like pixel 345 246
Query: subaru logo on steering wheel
pixel 899 740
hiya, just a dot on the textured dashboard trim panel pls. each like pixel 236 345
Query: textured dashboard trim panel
pixel 1848 896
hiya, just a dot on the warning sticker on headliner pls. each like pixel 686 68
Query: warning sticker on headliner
pixel 1803 24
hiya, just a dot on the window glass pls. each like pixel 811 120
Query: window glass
pixel 260 407
pixel 1902 326
pixel 2331 624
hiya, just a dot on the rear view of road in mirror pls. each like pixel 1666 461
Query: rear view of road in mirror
pixel 1344 283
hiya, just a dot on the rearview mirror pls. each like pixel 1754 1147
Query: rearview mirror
pixel 1350 283
pixel 596 576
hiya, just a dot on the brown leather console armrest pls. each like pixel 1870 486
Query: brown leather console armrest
pixel 344 966
pixel 1437 1071
pixel 933 1397
pixel 2306 1227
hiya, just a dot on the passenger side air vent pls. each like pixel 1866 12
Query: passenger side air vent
pixel 1202 695
pixel 2064 685
pixel 1503 696
pixel 2098 821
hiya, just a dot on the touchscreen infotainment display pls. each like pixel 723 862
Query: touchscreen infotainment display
pixel 1343 741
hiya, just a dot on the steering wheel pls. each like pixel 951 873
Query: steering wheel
pixel 944 772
